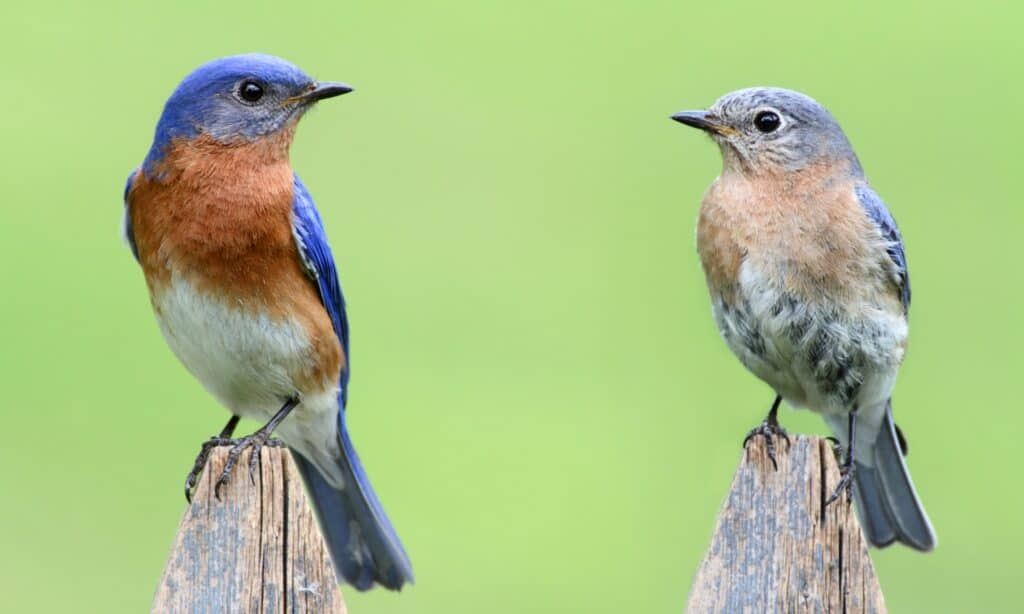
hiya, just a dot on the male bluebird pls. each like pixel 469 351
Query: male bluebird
pixel 809 288
pixel 245 290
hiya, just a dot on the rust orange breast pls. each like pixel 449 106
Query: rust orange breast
pixel 808 231
pixel 220 218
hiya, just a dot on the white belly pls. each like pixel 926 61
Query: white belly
pixel 815 355
pixel 247 362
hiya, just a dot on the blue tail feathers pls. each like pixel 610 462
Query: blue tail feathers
pixel 364 546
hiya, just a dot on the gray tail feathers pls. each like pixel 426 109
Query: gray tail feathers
pixel 887 504
pixel 364 546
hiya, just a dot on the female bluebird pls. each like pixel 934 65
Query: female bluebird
pixel 245 291
pixel 809 287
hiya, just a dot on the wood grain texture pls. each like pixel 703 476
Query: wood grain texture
pixel 775 549
pixel 258 549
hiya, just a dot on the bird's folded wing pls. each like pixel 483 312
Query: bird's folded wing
pixel 879 214
pixel 319 263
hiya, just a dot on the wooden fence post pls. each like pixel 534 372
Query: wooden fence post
pixel 257 549
pixel 777 549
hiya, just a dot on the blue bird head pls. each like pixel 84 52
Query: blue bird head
pixel 238 99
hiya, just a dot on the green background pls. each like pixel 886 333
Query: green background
pixel 539 391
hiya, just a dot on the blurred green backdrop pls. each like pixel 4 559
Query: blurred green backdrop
pixel 539 391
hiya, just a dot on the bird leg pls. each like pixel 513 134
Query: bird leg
pixel 223 439
pixel 769 429
pixel 256 442
pixel 846 470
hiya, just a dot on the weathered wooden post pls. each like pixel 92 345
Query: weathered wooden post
pixel 257 549
pixel 777 548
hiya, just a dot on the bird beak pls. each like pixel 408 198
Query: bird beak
pixel 702 120
pixel 321 91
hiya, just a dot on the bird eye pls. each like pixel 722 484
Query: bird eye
pixel 767 121
pixel 250 91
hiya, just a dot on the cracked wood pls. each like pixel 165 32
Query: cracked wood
pixel 258 549
pixel 776 548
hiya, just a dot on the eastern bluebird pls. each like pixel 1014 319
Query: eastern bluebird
pixel 245 290
pixel 809 288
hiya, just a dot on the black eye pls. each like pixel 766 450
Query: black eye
pixel 767 121
pixel 250 91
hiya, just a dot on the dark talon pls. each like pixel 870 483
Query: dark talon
pixel 254 461
pixel 197 468
pixel 223 439
pixel 847 469
pixel 256 441
pixel 769 429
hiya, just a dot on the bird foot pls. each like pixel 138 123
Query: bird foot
pixel 204 454
pixel 256 442
pixel 768 429
pixel 846 472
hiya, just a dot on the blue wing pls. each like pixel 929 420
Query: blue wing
pixel 363 544
pixel 126 222
pixel 319 263
pixel 880 215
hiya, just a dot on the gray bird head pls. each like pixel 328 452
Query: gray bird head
pixel 766 130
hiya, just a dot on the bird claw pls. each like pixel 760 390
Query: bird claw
pixel 200 462
pixel 254 441
pixel 769 430
pixel 257 441
pixel 846 472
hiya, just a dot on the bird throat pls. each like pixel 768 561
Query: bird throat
pixel 214 209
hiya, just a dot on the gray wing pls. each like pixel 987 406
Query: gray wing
pixel 880 215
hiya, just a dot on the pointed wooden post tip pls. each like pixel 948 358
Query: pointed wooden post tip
pixel 777 548
pixel 257 549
